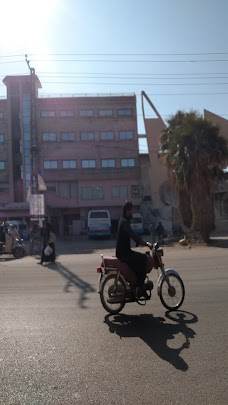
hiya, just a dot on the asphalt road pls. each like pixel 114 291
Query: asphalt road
pixel 59 346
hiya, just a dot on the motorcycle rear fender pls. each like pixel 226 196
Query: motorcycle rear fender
pixel 161 277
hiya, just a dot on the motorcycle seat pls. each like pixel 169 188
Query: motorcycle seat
pixel 125 270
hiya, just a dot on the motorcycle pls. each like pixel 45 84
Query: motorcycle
pixel 117 283
pixel 12 243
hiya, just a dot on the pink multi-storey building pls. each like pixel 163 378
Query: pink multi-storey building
pixel 86 152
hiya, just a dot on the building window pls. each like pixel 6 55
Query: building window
pixel 2 165
pixel 1 115
pixel 67 190
pixel 47 113
pixel 89 164
pixel 108 163
pixel 106 136
pixel 49 136
pixel 86 113
pixel 69 164
pixel 125 111
pixel 119 191
pixel 50 164
pixel 126 135
pixel 105 113
pixel 2 138
pixel 87 136
pixel 67 113
pixel 127 162
pixel 67 136
pixel 51 187
pixel 92 193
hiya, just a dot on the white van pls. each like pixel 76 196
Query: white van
pixel 137 223
pixel 99 223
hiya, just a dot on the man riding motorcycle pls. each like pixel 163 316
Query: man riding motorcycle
pixel 136 260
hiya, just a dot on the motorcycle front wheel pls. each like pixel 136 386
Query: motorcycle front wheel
pixel 172 296
pixel 113 294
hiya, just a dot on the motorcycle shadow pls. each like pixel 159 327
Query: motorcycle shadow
pixel 156 332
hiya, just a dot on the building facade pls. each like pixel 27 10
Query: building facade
pixel 164 203
pixel 86 152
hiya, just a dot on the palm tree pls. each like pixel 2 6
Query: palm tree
pixel 195 153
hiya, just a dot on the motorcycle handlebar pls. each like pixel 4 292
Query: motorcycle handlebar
pixel 150 245
pixel 154 246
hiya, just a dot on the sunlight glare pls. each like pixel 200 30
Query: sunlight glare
pixel 25 25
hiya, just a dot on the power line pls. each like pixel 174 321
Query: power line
pixel 134 84
pixel 125 77
pixel 13 61
pixel 141 84
pixel 79 76
pixel 133 54
pixel 11 56
pixel 127 61
pixel 119 54
pixel 134 74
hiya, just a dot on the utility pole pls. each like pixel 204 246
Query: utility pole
pixel 33 131
pixel 33 157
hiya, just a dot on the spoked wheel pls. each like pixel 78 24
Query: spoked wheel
pixel 172 296
pixel 113 294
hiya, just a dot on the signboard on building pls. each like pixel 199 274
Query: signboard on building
pixel 135 191
pixel 36 203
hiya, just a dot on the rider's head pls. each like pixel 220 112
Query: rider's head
pixel 128 209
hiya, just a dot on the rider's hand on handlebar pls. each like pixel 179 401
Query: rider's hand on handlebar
pixel 144 243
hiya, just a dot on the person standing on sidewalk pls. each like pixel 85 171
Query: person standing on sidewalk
pixel 159 230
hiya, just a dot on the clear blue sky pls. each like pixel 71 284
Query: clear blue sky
pixel 174 50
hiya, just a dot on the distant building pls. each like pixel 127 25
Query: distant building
pixel 164 204
pixel 87 153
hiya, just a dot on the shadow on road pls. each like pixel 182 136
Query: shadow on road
pixel 73 280
pixel 155 332
pixel 7 259
pixel 83 246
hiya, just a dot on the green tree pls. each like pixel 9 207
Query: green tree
pixel 196 153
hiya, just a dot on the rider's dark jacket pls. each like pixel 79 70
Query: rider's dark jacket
pixel 136 260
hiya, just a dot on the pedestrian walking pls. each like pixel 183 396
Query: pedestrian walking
pixel 159 231
pixel 49 239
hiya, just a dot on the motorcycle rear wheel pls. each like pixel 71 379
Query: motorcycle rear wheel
pixel 113 294
pixel 172 297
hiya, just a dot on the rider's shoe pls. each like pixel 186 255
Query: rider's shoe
pixel 149 285
pixel 145 295
pixel 141 293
